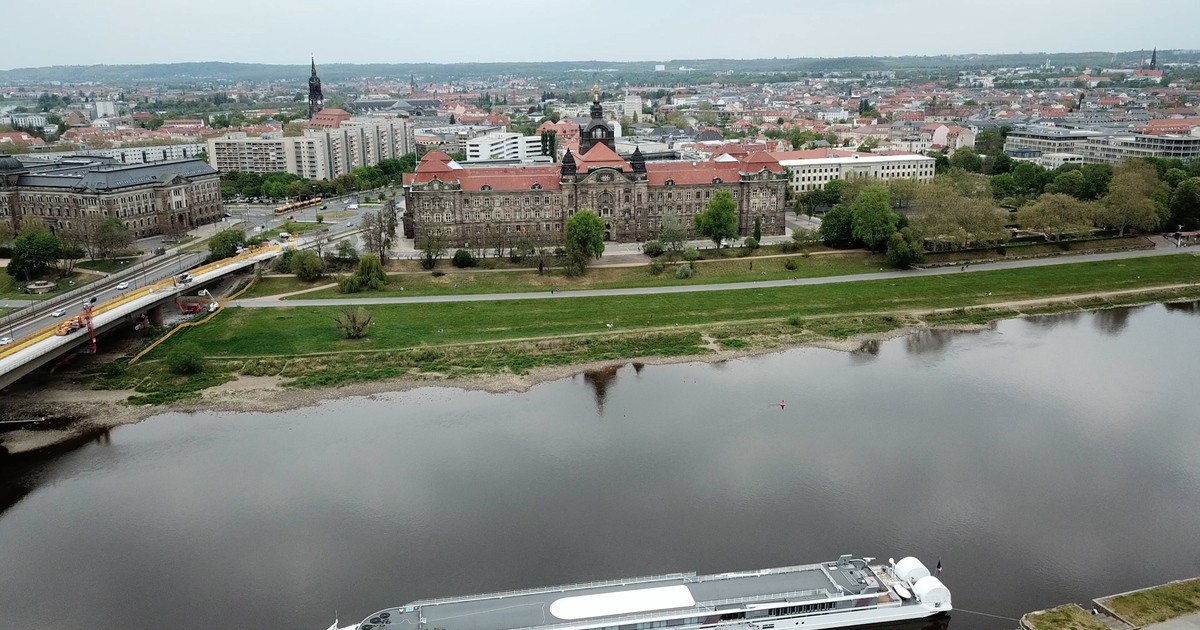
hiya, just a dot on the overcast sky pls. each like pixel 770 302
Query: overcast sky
pixel 82 32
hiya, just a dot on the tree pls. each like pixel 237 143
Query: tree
pixel 185 360
pixel 225 244
pixel 550 144
pixel 967 159
pixel 873 218
pixel 377 235
pixel 307 265
pixel 1003 186
pixel 719 222
pixel 432 243
pixel 585 240
pixel 463 259
pixel 904 249
pixel 1068 183
pixel 672 232
pixel 758 229
pixel 1056 215
pixel 370 273
pixel 32 253
pixel 805 238
pixel 112 237
pixel 7 233
pixel 1136 199
pixel 353 322
pixel 966 183
pixel 1030 178
pixel 989 142
pixel 1000 164
pixel 837 227
pixel 1185 203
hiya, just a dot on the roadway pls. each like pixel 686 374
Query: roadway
pixel 275 302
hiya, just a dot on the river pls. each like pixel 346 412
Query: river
pixel 1041 460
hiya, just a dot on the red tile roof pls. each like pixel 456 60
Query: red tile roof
pixel 600 155
pixel 685 173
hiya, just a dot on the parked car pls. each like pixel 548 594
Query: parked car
pixel 58 313
pixel 4 341
pixel 122 286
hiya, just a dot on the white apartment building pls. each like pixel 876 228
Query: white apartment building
pixel 319 154
pixel 1054 160
pixel 1047 139
pixel 503 146
pixel 811 170
pixel 1113 149
pixel 28 121
pixel 137 155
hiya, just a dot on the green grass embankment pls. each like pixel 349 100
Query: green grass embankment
pixel 1067 617
pixel 472 338
pixel 1157 604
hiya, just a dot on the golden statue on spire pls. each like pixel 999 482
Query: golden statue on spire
pixel 596 92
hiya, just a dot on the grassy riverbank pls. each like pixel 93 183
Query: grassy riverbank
pixel 1067 617
pixel 1157 604
pixel 454 340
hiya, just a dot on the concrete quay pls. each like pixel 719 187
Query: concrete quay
pixel 1171 606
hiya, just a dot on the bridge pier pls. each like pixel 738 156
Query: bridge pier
pixel 155 315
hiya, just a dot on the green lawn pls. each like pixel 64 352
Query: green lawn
pixel 1068 617
pixel 293 227
pixel 457 281
pixel 107 266
pixel 295 331
pixel 10 288
pixel 1159 604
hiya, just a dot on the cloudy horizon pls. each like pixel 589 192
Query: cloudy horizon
pixel 455 31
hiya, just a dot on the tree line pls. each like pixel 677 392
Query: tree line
pixel 278 186
pixel 33 249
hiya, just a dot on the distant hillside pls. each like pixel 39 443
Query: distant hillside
pixel 214 72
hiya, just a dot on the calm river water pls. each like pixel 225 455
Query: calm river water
pixel 1043 461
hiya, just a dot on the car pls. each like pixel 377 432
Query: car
pixel 4 341
pixel 122 286
pixel 58 313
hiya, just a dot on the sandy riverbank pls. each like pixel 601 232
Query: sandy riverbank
pixel 93 411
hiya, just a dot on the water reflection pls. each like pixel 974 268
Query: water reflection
pixel 1050 321
pixel 866 352
pixel 1190 308
pixel 601 379
pixel 1111 321
pixel 930 342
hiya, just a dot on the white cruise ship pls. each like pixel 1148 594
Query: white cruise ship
pixel 845 593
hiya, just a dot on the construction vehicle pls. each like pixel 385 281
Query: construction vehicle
pixel 191 304
pixel 79 322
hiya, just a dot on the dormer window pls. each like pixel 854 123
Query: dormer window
pixel 716 180
pixel 485 187
pixel 669 182
pixel 536 186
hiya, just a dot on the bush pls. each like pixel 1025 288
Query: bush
pixel 790 264
pixel 795 320
pixel 691 254
pixel 353 322
pixel 653 249
pixel 439 273
pixel 657 267
pixel 320 218
pixel 350 284
pixel 283 264
pixel 307 266
pixel 185 360
pixel 789 247
pixel 463 259
pixel 750 243
pixel 683 272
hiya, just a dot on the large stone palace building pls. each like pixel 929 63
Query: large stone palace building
pixel 160 197
pixel 478 206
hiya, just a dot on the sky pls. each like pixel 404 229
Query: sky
pixel 82 32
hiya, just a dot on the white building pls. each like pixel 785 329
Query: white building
pixel 29 121
pixel 503 146
pixel 833 115
pixel 104 109
pixel 1054 160
pixel 811 170
pixel 319 153
pixel 633 105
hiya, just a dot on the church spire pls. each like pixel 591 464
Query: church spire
pixel 1154 59
pixel 316 100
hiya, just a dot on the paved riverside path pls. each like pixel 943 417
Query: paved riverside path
pixel 1190 622
pixel 276 302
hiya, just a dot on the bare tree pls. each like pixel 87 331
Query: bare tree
pixel 672 232
pixel 432 243
pixel 376 235
pixel 353 322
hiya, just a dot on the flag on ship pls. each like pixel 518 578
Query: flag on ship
pixel 939 567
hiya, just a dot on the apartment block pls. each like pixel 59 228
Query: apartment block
pixel 504 146
pixel 811 170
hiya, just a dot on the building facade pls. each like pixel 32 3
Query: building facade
pixel 482 207
pixel 811 170
pixel 504 146
pixel 164 197
pixel 319 153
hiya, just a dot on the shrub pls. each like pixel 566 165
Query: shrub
pixel 283 264
pixel 463 259
pixel 790 264
pixel 185 360
pixel 320 218
pixel 349 284
pixel 438 273
pixel 653 249
pixel 789 247
pixel 795 320
pixel 353 322
pixel 657 267
pixel 683 272
pixel 307 265
pixel 691 254
pixel 750 243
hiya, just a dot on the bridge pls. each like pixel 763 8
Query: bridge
pixel 37 348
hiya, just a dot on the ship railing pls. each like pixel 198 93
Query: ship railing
pixel 684 577
pixel 691 611
pixel 763 598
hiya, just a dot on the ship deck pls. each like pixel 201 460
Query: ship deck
pixel 612 603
